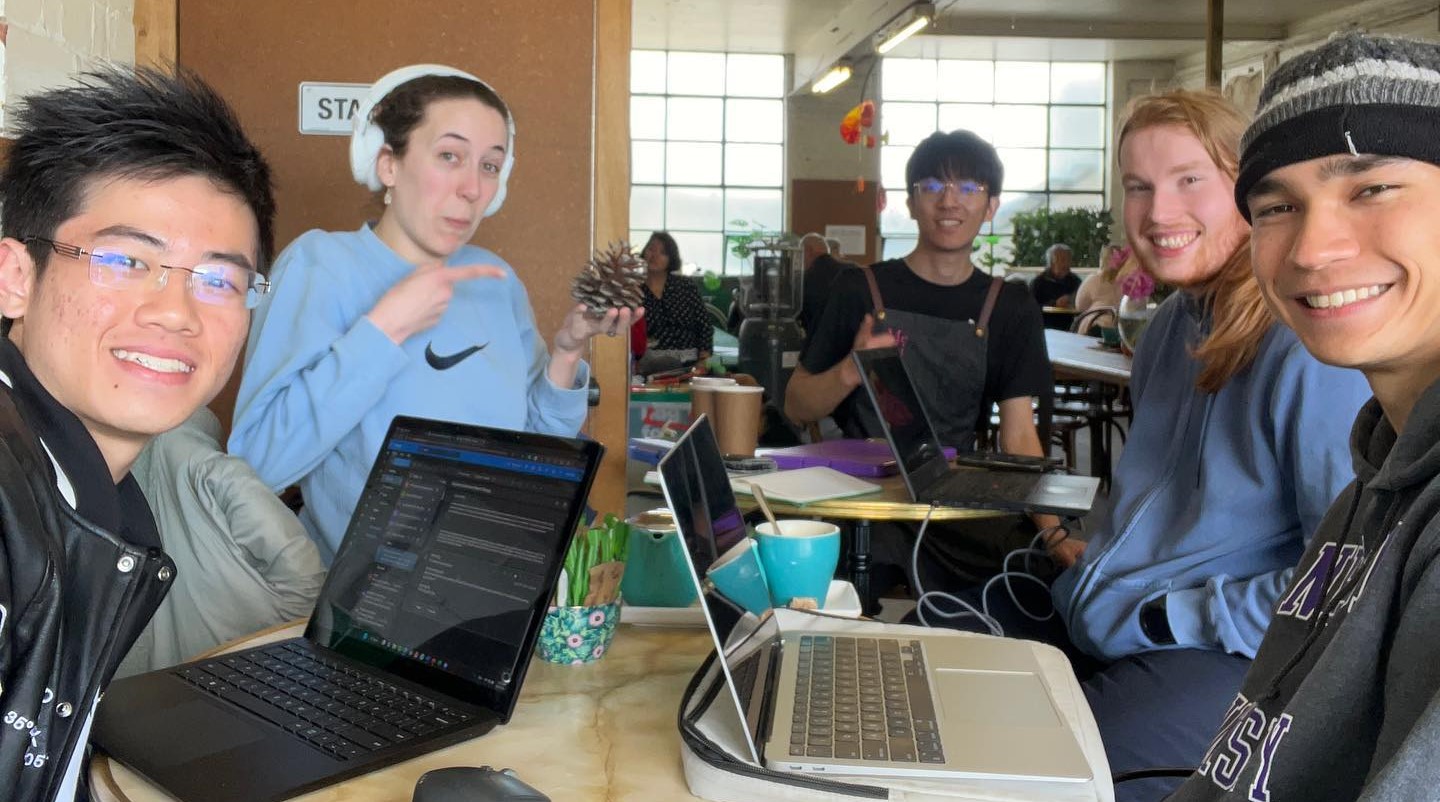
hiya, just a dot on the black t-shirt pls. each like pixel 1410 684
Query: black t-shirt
pixel 1016 363
pixel 818 281
pixel 1047 289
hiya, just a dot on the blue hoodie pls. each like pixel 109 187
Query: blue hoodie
pixel 1215 496
pixel 322 382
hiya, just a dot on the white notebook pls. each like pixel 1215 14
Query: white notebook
pixel 805 485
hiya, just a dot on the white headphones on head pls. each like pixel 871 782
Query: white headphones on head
pixel 366 138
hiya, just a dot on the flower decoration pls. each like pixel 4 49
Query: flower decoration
pixel 856 122
pixel 1138 284
pixel 597 618
pixel 1119 256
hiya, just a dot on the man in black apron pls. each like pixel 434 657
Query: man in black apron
pixel 968 340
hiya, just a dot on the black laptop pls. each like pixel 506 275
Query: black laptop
pixel 420 638
pixel 931 479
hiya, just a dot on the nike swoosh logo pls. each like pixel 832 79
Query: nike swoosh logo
pixel 447 362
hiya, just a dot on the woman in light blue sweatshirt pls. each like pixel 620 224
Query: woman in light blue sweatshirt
pixel 1238 446
pixel 404 316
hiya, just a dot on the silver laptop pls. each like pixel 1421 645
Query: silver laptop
pixel 836 703
pixel 928 475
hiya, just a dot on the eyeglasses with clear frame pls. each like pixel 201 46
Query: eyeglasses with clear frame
pixel 935 188
pixel 216 284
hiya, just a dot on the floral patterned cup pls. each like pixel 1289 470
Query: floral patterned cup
pixel 577 635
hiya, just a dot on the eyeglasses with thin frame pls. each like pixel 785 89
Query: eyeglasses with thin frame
pixel 935 188
pixel 215 284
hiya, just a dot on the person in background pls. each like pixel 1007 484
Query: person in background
pixel 1340 176
pixel 822 265
pixel 137 220
pixel 403 316
pixel 1057 285
pixel 675 316
pixel 1102 288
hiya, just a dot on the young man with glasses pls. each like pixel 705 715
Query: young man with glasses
pixel 969 340
pixel 137 217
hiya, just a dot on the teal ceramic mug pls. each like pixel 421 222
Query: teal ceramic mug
pixel 738 575
pixel 799 560
pixel 656 574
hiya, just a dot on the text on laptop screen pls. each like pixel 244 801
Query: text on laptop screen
pixel 446 561
pixel 915 443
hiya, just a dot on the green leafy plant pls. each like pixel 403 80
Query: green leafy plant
pixel 747 236
pixel 607 541
pixel 1084 230
pixel 985 247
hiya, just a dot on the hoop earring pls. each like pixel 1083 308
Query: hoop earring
pixel 389 196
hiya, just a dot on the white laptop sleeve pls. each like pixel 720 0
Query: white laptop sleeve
pixel 713 745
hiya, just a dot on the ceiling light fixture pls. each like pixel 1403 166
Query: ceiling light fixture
pixel 838 74
pixel 906 24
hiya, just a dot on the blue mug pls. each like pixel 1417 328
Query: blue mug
pixel 737 574
pixel 656 573
pixel 800 560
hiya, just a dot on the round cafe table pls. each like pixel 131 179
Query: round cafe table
pixel 600 731
pixel 891 503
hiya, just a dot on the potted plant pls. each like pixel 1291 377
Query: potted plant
pixel 579 627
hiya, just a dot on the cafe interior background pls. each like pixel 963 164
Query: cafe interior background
pixel 701 117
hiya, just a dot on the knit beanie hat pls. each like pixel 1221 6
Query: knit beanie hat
pixel 1356 94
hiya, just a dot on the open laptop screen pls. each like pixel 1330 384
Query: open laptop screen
pixel 452 555
pixel 698 489
pixel 917 448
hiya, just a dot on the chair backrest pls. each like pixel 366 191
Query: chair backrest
pixel 1091 317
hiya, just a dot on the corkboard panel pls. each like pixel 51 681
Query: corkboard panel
pixel 538 54
pixel 816 203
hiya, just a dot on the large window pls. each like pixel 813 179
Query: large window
pixel 707 148
pixel 1046 119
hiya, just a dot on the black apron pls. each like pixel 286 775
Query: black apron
pixel 946 360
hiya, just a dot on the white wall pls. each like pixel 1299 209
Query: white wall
pixel 814 149
pixel 45 41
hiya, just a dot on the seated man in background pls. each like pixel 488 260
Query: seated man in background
pixel 136 219
pixel 243 561
pixel 1340 176
pixel 822 265
pixel 969 340
pixel 1056 286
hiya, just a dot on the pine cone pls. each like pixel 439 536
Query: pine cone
pixel 611 278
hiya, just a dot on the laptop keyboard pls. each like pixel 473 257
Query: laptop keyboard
pixel 320 700
pixel 864 699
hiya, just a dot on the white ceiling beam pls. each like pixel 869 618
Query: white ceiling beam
pixel 1050 28
pixel 839 35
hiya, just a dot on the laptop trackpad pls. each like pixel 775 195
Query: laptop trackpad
pixel 993 698
pixel 206 728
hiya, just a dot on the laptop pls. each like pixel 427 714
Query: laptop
pixel 420 638
pixel 928 475
pixel 839 703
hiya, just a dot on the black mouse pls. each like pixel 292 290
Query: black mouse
pixel 469 784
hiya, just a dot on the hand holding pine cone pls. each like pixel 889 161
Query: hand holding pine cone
pixel 611 279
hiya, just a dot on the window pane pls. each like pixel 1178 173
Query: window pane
pixel 638 238
pixel 1077 169
pixel 755 165
pixel 700 251
pixel 892 165
pixel 697 73
pixel 1019 81
pixel 755 75
pixel 647 117
pixel 1020 126
pixel 695 118
pixel 647 71
pixel 896 217
pixel 1077 126
pixel 967 81
pixel 1077 82
pixel 896 247
pixel 907 79
pixel 647 162
pixel 1065 201
pixel 758 207
pixel 755 120
pixel 1012 202
pixel 692 163
pixel 647 207
pixel 907 123
pixel 970 117
pixel 694 207
pixel 1024 168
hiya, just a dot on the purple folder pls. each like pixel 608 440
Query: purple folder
pixel 853 457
